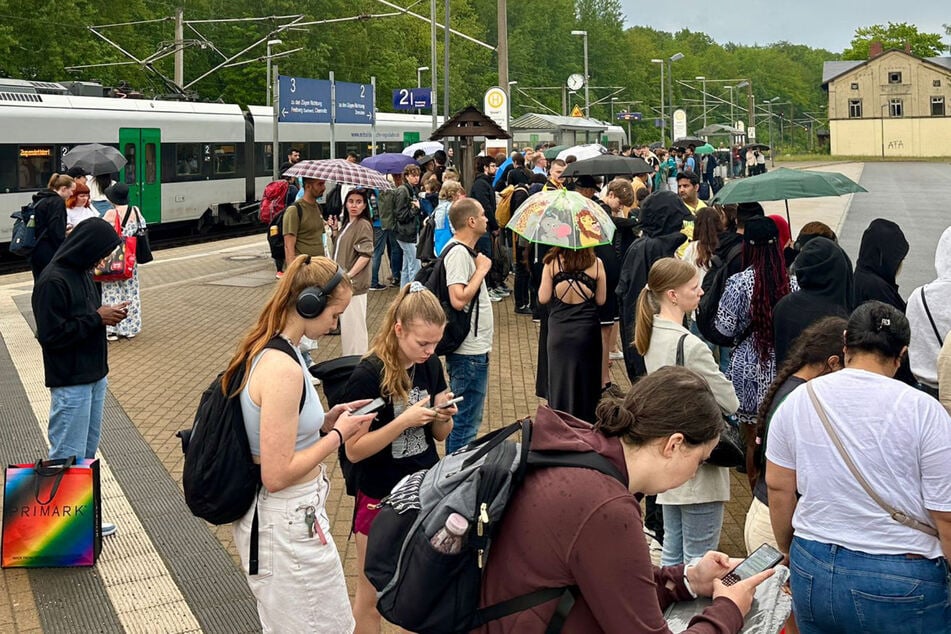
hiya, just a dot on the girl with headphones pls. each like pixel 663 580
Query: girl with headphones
pixel 402 369
pixel 284 420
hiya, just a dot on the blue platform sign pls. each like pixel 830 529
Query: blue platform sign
pixel 355 103
pixel 304 100
pixel 629 116
pixel 412 98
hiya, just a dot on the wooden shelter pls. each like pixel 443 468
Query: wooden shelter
pixel 466 125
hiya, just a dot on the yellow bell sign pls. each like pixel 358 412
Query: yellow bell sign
pixel 576 112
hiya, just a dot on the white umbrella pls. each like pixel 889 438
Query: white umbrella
pixel 582 152
pixel 428 147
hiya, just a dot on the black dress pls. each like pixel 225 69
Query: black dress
pixel 574 348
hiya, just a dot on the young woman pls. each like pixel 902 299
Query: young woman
pixel 581 527
pixel 450 192
pixel 300 585
pixel 693 512
pixel 49 213
pixel 77 207
pixel 353 251
pixel 573 285
pixel 129 220
pixel 97 192
pixel 403 370
pixel 706 231
pixel 854 567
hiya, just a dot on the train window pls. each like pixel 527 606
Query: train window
pixel 8 168
pixel 187 157
pixel 225 159
pixel 129 154
pixel 151 166
pixel 34 166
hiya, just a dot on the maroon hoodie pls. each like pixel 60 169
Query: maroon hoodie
pixel 569 526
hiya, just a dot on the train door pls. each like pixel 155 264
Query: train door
pixel 142 149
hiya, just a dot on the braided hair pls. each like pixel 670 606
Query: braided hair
pixel 770 284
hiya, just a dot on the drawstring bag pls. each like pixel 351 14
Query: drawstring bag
pixel 120 264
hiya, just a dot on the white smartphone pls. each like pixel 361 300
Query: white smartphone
pixel 369 408
pixel 450 403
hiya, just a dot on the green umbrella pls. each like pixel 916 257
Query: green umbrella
pixel 552 153
pixel 561 218
pixel 783 184
pixel 706 148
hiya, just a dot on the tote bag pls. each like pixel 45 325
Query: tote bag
pixel 120 264
pixel 143 248
pixel 52 515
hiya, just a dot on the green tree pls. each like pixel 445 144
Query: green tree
pixel 894 35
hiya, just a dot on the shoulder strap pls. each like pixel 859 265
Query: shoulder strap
pixel 125 218
pixel 894 513
pixel 680 349
pixel 279 343
pixel 924 302
pixel 575 459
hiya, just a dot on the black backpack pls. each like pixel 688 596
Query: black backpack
pixel 429 592
pixel 275 232
pixel 713 286
pixel 458 324
pixel 220 478
pixel 334 374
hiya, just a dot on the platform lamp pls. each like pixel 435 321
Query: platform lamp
pixel 663 110
pixel 270 43
pixel 419 81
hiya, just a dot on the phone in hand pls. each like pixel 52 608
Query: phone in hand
pixel 763 558
pixel 369 408
pixel 450 403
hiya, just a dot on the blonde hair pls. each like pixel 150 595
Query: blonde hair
pixel 58 181
pixel 666 274
pixel 303 272
pixel 623 190
pixel 408 307
pixel 450 189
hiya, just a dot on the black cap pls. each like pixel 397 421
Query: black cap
pixel 118 194
pixel 586 181
pixel 747 211
pixel 76 172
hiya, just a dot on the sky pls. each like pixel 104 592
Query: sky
pixel 828 24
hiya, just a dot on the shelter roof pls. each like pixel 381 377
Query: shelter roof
pixel 470 122
pixel 544 122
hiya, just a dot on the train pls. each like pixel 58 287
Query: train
pixel 191 165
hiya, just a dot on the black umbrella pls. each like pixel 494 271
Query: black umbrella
pixel 684 141
pixel 656 145
pixel 755 146
pixel 95 158
pixel 609 165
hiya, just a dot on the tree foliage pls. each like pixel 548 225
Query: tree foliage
pixel 894 35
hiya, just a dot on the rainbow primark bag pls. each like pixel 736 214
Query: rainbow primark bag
pixel 51 514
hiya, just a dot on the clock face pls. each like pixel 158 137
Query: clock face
pixel 575 81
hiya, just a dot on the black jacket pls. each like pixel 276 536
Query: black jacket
pixel 65 301
pixel 824 273
pixel 406 214
pixel 483 191
pixel 881 253
pixel 50 214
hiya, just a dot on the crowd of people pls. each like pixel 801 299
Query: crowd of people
pixel 724 324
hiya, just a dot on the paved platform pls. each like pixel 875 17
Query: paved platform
pixel 166 571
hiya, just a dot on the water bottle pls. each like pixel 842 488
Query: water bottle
pixel 449 538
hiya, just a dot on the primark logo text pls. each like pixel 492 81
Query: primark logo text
pixel 53 511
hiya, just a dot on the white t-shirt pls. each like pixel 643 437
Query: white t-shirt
pixel 899 439
pixel 460 267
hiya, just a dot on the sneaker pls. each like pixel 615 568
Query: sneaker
pixel 279 274
pixel 108 528
pixel 112 337
pixel 523 310
pixel 616 355
pixel 502 291
pixel 493 297
pixel 377 287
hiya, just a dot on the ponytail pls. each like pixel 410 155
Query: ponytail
pixel 647 307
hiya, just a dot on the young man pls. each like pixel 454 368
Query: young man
pixel 688 186
pixel 483 191
pixel 468 365
pixel 71 328
pixel 293 156
pixel 304 223
pixel 554 175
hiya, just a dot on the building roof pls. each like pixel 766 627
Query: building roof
pixel 832 70
pixel 543 122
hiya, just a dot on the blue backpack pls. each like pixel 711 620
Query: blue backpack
pixel 24 238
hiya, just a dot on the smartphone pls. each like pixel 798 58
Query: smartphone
pixel 369 408
pixel 450 403
pixel 763 558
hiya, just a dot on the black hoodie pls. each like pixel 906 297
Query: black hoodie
pixel 824 273
pixel 883 248
pixel 662 216
pixel 65 304
pixel 50 214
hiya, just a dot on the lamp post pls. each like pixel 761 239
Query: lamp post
pixel 613 99
pixel 670 82
pixel 746 83
pixel 419 81
pixel 772 146
pixel 587 79
pixel 270 43
pixel 703 90
pixel 663 110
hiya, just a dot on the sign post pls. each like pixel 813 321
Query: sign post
pixel 496 104
pixel 333 114
pixel 277 110
pixel 680 123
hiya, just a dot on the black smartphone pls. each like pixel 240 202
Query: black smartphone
pixel 763 558
pixel 369 408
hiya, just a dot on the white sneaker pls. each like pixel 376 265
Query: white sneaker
pixel 494 297
pixel 616 355
pixel 108 528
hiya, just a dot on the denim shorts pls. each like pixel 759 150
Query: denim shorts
pixel 835 589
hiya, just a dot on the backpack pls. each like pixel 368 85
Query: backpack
pixel 334 374
pixel 275 232
pixel 220 478
pixel 274 200
pixel 458 322
pixel 425 591
pixel 386 205
pixel 426 242
pixel 24 239
pixel 503 208
pixel 333 203
pixel 704 192
pixel 713 286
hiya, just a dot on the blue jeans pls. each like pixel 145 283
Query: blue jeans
pixel 379 245
pixel 469 378
pixel 396 253
pixel 410 262
pixel 690 530
pixel 837 590
pixel 76 419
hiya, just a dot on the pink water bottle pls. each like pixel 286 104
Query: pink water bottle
pixel 449 538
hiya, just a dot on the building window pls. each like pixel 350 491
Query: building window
pixel 894 77
pixel 936 83
pixel 855 108
pixel 855 85
pixel 937 106
pixel 896 108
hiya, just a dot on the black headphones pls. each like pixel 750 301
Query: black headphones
pixel 313 300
